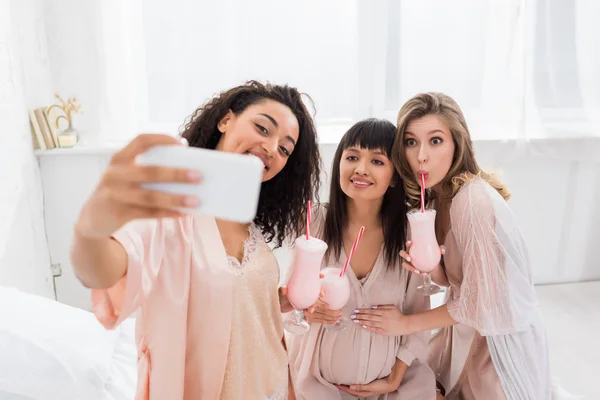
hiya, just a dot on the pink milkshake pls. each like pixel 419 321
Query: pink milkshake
pixel 304 285
pixel 424 252
pixel 336 292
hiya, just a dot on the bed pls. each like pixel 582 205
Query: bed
pixel 51 351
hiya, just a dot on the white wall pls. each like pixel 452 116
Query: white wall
pixel 24 83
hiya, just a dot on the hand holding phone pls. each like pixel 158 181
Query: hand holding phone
pixel 121 196
pixel 230 185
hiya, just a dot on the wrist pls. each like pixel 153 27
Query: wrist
pixel 412 324
pixel 398 371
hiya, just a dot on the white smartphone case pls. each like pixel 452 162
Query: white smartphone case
pixel 230 185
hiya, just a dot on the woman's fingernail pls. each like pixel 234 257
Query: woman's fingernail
pixel 424 274
pixel 356 311
pixel 417 271
pixel 194 176
pixel 353 316
pixel 409 242
pixel 191 201
pixel 373 307
pixel 356 321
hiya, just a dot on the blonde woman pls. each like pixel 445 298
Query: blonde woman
pixel 492 342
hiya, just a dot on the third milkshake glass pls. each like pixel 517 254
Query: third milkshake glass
pixel 424 252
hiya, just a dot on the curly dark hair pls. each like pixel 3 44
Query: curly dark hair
pixel 283 199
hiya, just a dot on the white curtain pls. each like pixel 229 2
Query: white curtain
pixel 192 50
pixel 520 69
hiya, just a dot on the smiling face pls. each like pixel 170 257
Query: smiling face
pixel 429 149
pixel 365 174
pixel 268 130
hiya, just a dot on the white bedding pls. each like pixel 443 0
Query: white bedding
pixel 51 351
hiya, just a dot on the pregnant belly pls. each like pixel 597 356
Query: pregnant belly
pixel 356 356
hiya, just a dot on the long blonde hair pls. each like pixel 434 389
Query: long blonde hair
pixel 464 167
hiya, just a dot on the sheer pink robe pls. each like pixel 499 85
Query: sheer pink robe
pixel 188 293
pixel 323 357
pixel 498 350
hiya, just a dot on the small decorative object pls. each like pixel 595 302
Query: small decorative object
pixel 69 136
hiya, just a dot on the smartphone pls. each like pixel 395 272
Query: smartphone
pixel 230 185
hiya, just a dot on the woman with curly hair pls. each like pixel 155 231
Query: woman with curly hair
pixel 492 341
pixel 207 289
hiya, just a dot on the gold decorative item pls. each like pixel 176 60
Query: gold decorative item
pixel 69 136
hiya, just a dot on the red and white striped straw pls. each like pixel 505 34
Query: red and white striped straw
pixel 422 193
pixel 308 218
pixel 354 246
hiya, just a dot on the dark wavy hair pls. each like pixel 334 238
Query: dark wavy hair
pixel 371 134
pixel 283 199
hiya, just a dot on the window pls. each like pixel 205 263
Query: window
pixel 519 69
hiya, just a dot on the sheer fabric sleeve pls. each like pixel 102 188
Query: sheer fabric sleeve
pixel 496 294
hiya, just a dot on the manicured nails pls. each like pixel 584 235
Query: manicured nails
pixel 194 176
pixel 191 201
pixel 417 272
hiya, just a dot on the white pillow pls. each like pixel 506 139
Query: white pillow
pixel 121 383
pixel 49 350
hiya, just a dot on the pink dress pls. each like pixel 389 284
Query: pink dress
pixel 323 357
pixel 201 315
pixel 498 349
